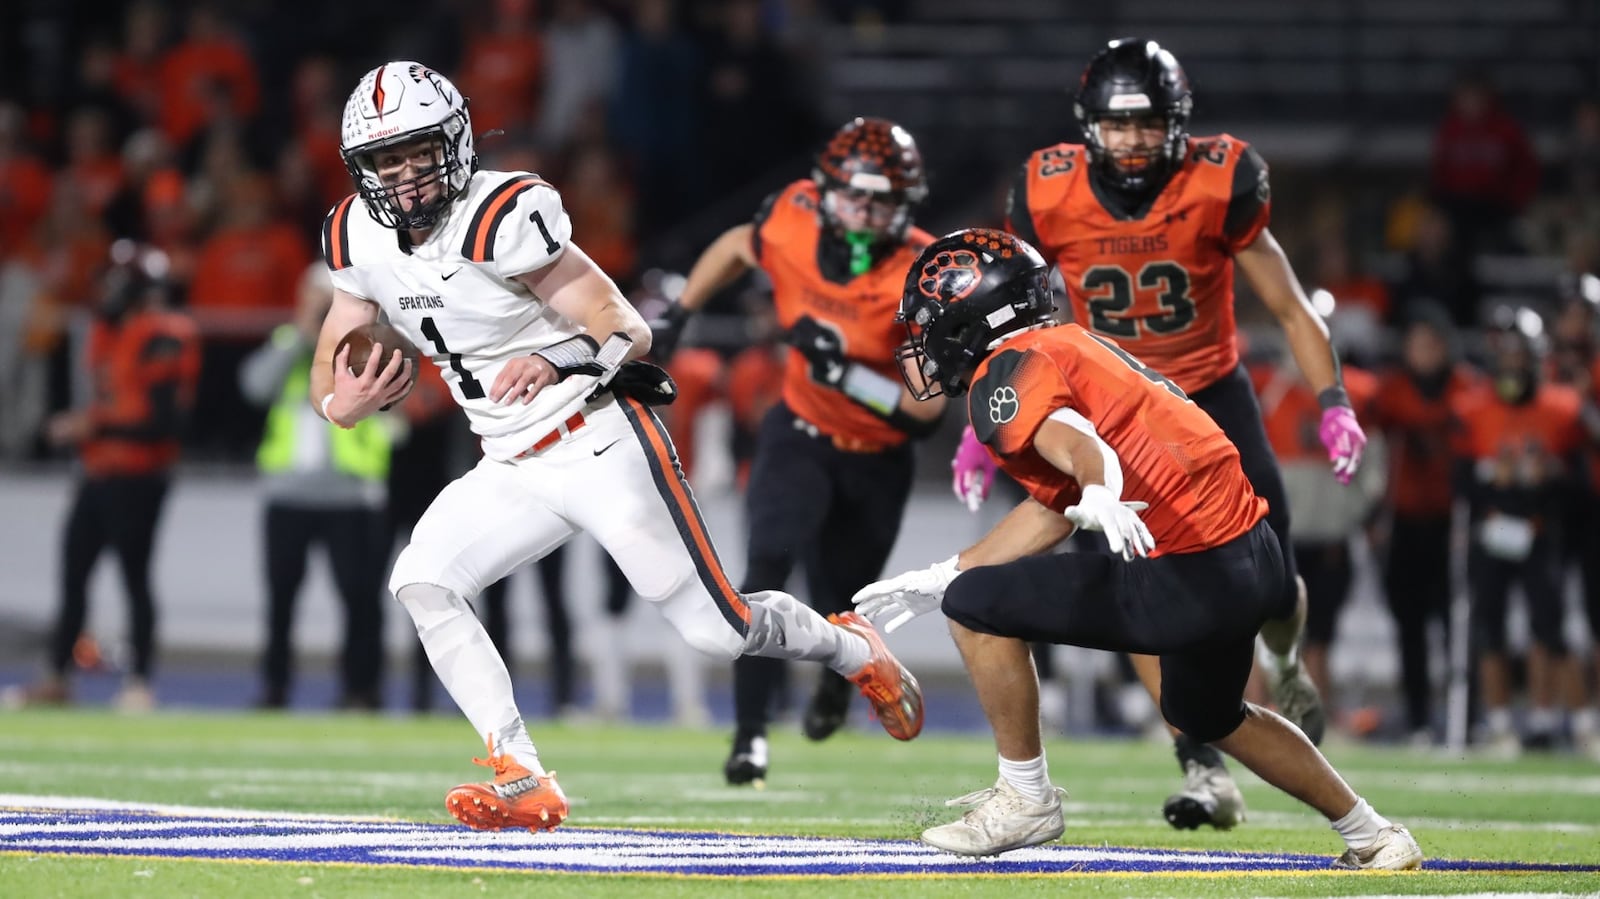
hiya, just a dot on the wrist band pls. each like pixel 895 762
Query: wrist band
pixel 325 414
pixel 1333 396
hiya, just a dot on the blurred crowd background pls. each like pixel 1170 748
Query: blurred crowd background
pixel 1435 163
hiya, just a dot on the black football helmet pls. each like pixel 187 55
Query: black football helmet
pixel 1133 77
pixel 967 291
pixel 1516 345
pixel 871 158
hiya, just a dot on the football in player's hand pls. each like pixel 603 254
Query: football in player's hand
pixel 360 341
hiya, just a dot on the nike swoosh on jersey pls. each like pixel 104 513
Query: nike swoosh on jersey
pixel 607 446
pixel 449 276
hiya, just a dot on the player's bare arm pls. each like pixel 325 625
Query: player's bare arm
pixel 1267 269
pixel 729 256
pixel 1027 530
pixel 577 288
pixel 339 396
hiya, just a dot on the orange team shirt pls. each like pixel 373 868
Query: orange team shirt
pixel 1161 285
pixel 1591 446
pixel 1419 433
pixel 1291 414
pixel 150 351
pixel 862 311
pixel 1173 455
pixel 1545 425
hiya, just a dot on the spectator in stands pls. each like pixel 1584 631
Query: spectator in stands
pixel 93 166
pixel 503 66
pixel 654 118
pixel 24 181
pixel 1518 442
pixel 247 274
pixel 750 88
pixel 581 59
pixel 136 71
pixel 1415 411
pixel 323 484
pixel 208 73
pixel 143 362
pixel 1483 169
pixel 1436 272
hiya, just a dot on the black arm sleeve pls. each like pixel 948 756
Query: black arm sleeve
pixel 1251 193
pixel 1019 220
pixel 760 218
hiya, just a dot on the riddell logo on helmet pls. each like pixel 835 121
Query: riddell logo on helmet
pixel 950 276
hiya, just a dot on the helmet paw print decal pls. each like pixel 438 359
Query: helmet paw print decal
pixel 950 275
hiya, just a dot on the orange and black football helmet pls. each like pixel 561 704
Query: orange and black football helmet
pixel 1133 78
pixel 968 291
pixel 870 164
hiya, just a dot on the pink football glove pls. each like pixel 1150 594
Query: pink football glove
pixel 1342 435
pixel 973 471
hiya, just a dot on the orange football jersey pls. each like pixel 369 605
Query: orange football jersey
pixel 1173 455
pixel 862 311
pixel 1159 284
pixel 1545 427
pixel 1420 432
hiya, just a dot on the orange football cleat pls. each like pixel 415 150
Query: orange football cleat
pixel 893 691
pixel 515 798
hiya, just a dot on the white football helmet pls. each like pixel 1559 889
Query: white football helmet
pixel 395 103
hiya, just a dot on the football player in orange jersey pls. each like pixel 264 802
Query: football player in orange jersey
pixel 1095 437
pixel 833 465
pixel 1145 224
pixel 1518 445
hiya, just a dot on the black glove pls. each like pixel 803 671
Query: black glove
pixel 823 348
pixel 666 330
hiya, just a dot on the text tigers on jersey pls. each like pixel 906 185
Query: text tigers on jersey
pixel 1150 243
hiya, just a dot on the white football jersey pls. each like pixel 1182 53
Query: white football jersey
pixel 454 297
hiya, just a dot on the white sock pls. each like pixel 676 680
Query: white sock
pixel 1498 720
pixel 1031 778
pixel 470 668
pixel 1585 722
pixel 1360 827
pixel 1278 663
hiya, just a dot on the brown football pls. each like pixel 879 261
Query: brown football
pixel 360 341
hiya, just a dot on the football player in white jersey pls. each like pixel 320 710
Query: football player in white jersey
pixel 477 269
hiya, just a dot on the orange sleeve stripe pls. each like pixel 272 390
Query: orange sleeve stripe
pixel 336 235
pixel 478 245
pixel 685 513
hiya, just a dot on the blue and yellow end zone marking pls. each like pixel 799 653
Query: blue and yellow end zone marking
pixel 93 828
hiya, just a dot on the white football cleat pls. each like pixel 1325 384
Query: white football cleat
pixel 1001 820
pixel 1395 850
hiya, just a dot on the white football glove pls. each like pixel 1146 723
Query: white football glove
pixel 891 603
pixel 1100 510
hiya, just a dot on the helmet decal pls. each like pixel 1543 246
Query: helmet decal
pixel 951 275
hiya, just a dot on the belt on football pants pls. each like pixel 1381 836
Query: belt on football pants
pixel 840 442
pixel 554 437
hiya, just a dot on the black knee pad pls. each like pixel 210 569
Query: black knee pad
pixel 970 599
pixel 1205 719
